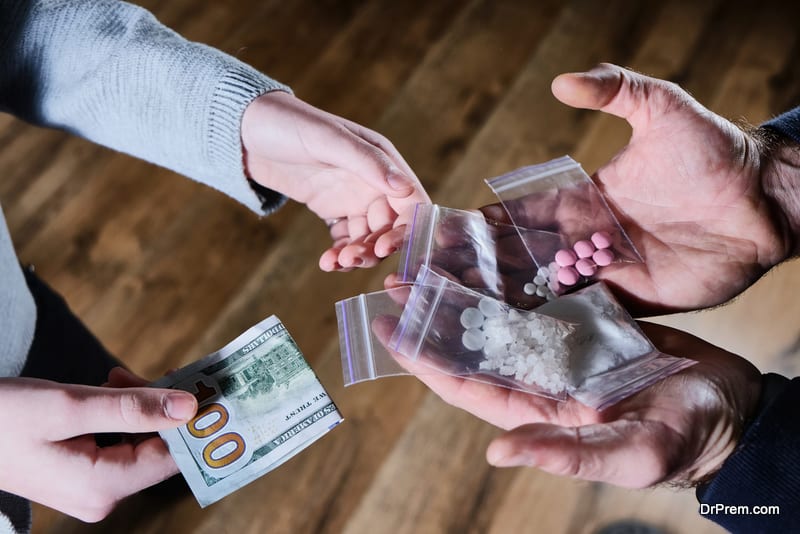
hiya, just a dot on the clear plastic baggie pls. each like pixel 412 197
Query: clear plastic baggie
pixel 482 254
pixel 559 197
pixel 610 358
pixel 583 345
pixel 437 325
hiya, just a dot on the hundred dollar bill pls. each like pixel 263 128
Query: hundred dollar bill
pixel 259 405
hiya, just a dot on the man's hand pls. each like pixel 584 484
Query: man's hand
pixel 690 190
pixel 350 176
pixel 679 430
pixel 49 454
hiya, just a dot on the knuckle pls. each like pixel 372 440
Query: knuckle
pixel 134 409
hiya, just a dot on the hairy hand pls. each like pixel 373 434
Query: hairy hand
pixel 688 190
pixel 680 429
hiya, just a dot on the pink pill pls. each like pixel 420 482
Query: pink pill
pixel 586 267
pixel 601 239
pixel 603 257
pixel 565 257
pixel 584 248
pixel 568 276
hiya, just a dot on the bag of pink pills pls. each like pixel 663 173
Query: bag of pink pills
pixel 480 253
pixel 558 196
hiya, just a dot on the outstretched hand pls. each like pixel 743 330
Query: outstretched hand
pixel 50 455
pixel 679 430
pixel 688 189
pixel 350 176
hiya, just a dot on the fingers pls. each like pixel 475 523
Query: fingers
pixel 82 410
pixel 638 99
pixel 106 475
pixel 361 241
pixel 628 453
pixel 136 466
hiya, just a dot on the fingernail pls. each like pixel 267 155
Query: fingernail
pixel 511 461
pixel 180 406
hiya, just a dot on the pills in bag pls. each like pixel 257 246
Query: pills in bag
pixel 469 334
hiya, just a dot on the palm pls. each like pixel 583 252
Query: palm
pixel 687 188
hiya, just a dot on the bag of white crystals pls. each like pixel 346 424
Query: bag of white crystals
pixel 558 196
pixel 583 344
pixel 465 333
pixel 610 356
pixel 447 328
pixel 482 254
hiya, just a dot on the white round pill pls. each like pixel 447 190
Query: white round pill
pixel 529 288
pixel 471 318
pixel 473 339
pixel 490 307
pixel 539 280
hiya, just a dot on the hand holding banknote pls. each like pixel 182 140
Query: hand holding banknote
pixel 49 453
pixel 259 405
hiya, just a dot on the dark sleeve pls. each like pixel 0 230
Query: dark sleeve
pixel 764 471
pixel 786 124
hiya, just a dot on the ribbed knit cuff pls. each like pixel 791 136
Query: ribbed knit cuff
pixel 235 91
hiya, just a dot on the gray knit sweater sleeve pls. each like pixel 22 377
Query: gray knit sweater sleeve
pixel 110 72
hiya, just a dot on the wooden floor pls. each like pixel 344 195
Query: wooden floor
pixel 165 270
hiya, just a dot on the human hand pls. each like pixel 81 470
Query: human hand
pixel 50 456
pixel 691 189
pixel 350 176
pixel 678 430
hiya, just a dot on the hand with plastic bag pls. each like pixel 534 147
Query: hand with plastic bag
pixel 679 430
pixel 690 188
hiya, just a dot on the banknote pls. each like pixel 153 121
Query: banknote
pixel 259 405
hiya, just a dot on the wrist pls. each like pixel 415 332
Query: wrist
pixel 738 404
pixel 780 183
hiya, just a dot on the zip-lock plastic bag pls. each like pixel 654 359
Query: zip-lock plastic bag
pixel 442 326
pixel 364 354
pixel 482 254
pixel 558 196
pixel 591 350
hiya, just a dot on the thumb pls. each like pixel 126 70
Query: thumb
pixel 88 410
pixel 612 89
pixel 632 454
